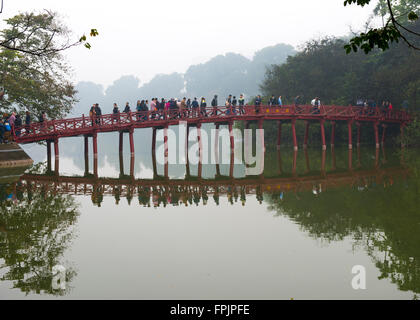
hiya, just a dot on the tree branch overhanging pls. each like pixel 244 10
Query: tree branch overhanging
pixel 394 30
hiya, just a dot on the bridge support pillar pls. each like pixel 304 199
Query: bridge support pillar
pixel 165 141
pixel 383 134
pixel 86 139
pixel 232 141
pixel 132 152
pixel 121 164
pixel 278 134
pixel 132 162
pixel 375 127
pixel 216 149
pixel 261 132
pixel 121 144
pixel 200 151
pixel 131 136
pixel 187 161
pixel 332 134
pixel 232 149
pixel 95 153
pixel 154 140
pixel 305 141
pixel 350 127
pixel 295 145
pixel 295 153
pixel 57 156
pixel 48 156
pixel 324 144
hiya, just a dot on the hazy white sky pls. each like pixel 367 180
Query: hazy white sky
pixel 145 38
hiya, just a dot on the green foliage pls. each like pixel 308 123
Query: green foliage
pixel 399 14
pixel 322 69
pixel 380 38
pixel 35 231
pixel 32 71
pixel 93 33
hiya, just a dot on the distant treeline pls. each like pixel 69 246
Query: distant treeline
pixel 222 75
pixel 323 69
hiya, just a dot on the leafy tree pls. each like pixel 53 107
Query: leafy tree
pixel 39 34
pixel 399 15
pixel 33 74
pixel 322 69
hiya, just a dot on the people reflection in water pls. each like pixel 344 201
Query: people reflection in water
pixel 97 195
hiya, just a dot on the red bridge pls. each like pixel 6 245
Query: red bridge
pixel 52 131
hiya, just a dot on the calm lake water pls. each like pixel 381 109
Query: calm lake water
pixel 294 231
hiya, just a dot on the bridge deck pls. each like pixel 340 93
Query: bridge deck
pixel 54 129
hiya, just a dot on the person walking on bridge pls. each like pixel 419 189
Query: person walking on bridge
pixel 18 125
pixel 188 107
pixel 234 103
pixel 115 113
pixel 203 106
pixel 195 106
pixel 12 119
pixel 316 104
pixel 153 108
pixel 258 102
pixel 161 108
pixel 127 108
pixel 183 108
pixel 297 101
pixel 27 121
pixel 241 102
pixel 280 101
pixel 98 113
pixel 389 108
pixel 214 105
pixel 228 104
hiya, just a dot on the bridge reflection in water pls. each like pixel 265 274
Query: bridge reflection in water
pixel 161 190
pixel 37 230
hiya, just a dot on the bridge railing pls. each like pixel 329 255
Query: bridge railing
pixel 84 124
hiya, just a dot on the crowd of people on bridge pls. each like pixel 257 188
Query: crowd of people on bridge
pixel 186 107
pixel 177 108
pixel 13 123
pixel 157 109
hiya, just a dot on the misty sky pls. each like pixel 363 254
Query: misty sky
pixel 145 38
